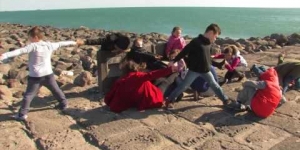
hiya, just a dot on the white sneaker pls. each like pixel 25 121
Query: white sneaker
pixel 22 118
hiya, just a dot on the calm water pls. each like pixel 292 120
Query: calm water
pixel 235 22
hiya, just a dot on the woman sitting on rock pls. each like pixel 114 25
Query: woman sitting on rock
pixel 175 41
pixel 134 88
pixel 234 63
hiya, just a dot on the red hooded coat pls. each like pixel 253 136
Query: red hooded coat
pixel 265 101
pixel 136 90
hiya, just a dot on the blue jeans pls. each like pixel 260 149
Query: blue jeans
pixel 258 70
pixel 190 78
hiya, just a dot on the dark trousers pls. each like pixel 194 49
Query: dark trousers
pixel 33 86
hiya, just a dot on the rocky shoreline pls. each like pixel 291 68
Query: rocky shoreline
pixel 88 123
pixel 80 60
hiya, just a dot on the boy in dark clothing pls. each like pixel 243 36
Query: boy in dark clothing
pixel 199 63
pixel 110 42
pixel 140 55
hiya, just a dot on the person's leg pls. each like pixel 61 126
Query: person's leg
pixel 227 78
pixel 286 81
pixel 32 89
pixel 213 71
pixel 208 77
pixel 163 86
pixel 256 70
pixel 51 84
pixel 245 96
pixel 188 80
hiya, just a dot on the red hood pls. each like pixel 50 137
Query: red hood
pixel 269 75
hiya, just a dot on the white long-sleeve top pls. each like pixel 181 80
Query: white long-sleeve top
pixel 39 56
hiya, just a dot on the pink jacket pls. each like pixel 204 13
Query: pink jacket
pixel 233 63
pixel 175 43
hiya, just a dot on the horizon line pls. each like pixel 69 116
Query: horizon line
pixel 152 7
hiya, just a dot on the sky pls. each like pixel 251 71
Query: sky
pixel 15 5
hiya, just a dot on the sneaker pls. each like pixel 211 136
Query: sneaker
pixel 61 107
pixel 20 118
pixel 168 105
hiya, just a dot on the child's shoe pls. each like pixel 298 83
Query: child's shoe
pixel 20 118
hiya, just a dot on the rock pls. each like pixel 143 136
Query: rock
pixel 295 36
pixel 5 93
pixel 13 83
pixel 272 43
pixel 261 42
pixel 4 68
pixel 18 94
pixel 14 37
pixel 242 41
pixel 20 75
pixel 84 79
pixel 44 92
pixel 253 39
pixel 88 63
pixel 63 80
pixel 293 41
pixel 280 38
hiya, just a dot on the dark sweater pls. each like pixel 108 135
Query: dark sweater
pixel 198 52
pixel 107 43
pixel 140 55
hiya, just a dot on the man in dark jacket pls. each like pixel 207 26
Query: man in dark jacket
pixel 140 55
pixel 199 63
pixel 114 41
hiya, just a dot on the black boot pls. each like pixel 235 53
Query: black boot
pixel 240 75
pixel 219 65
pixel 227 78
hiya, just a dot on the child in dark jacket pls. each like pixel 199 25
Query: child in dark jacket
pixel 140 55
pixel 134 89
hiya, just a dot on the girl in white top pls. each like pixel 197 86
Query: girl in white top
pixel 40 69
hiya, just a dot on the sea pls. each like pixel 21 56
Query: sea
pixel 234 22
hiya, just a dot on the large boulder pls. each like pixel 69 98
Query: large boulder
pixel 84 79
pixel 19 75
pixel 5 92
pixel 280 39
pixel 4 68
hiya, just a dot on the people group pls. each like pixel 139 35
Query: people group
pixel 148 82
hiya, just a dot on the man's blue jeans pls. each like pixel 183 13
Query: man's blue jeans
pixel 190 78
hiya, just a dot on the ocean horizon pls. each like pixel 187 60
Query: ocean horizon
pixel 235 22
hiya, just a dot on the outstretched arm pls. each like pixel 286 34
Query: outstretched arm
pixel 57 45
pixel 255 84
pixel 155 74
pixel 99 41
pixel 25 50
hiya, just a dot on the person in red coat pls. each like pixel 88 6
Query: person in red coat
pixel 262 97
pixel 134 89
